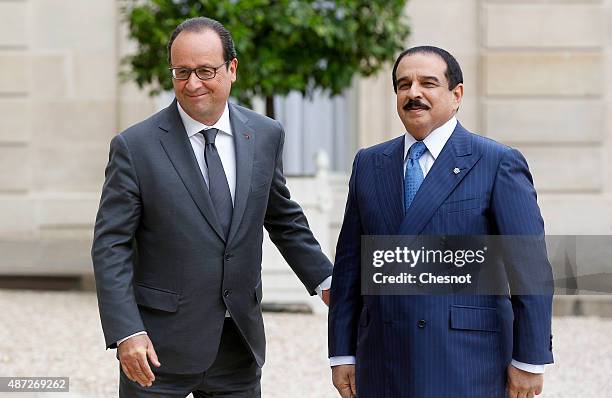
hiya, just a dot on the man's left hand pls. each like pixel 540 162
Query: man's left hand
pixel 523 384
pixel 325 296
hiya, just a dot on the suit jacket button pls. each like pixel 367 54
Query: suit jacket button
pixel 226 293
pixel 228 256
pixel 421 323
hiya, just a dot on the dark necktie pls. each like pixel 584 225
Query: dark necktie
pixel 217 181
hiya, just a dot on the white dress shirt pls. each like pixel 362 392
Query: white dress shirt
pixel 227 152
pixel 434 142
pixel 224 143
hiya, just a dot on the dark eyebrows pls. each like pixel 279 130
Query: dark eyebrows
pixel 420 78
pixel 197 67
pixel 432 78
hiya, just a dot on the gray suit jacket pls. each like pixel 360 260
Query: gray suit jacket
pixel 160 259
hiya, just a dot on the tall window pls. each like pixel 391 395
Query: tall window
pixel 320 123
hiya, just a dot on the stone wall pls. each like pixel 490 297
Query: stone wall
pixel 60 104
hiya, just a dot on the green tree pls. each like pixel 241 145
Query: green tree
pixel 282 45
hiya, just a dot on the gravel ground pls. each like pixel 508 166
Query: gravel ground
pixel 58 334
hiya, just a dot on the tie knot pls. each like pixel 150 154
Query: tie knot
pixel 210 135
pixel 417 150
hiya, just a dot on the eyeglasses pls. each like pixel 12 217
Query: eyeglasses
pixel 202 72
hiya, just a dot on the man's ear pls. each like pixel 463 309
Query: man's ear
pixel 233 67
pixel 458 94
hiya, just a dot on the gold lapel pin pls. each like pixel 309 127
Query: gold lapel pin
pixel 247 136
pixel 456 170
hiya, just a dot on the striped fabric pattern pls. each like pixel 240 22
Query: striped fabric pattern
pixel 438 346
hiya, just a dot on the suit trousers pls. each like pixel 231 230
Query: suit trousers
pixel 233 374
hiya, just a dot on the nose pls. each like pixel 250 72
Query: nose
pixel 414 91
pixel 193 83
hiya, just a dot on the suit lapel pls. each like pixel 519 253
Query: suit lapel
pixel 390 183
pixel 175 142
pixel 440 181
pixel 244 144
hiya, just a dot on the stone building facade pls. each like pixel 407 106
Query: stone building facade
pixel 537 76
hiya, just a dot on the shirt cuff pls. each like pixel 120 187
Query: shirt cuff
pixel 350 360
pixel 325 285
pixel 537 369
pixel 132 335
pixel 343 360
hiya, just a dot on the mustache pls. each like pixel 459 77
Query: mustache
pixel 415 104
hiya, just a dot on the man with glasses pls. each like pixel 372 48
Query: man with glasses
pixel 177 245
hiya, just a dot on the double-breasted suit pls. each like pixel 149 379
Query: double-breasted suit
pixel 438 345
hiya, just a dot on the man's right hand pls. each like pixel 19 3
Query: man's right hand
pixel 133 354
pixel 343 377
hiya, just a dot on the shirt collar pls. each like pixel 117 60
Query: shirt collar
pixel 192 126
pixel 435 141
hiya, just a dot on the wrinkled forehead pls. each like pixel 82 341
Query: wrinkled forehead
pixel 421 66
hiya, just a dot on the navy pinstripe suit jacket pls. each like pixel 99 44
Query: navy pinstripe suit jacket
pixel 437 346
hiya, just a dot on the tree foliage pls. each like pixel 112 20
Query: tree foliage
pixel 282 45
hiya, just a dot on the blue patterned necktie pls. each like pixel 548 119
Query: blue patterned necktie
pixel 413 177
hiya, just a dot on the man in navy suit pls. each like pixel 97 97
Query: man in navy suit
pixel 437 179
